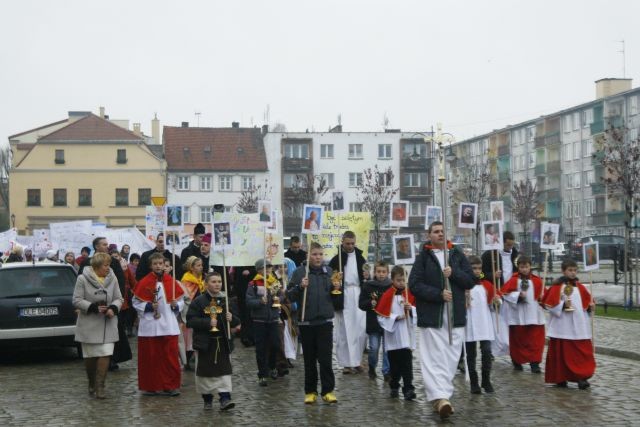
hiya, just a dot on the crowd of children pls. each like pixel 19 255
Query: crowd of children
pixel 453 304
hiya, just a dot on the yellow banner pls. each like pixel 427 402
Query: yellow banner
pixel 334 225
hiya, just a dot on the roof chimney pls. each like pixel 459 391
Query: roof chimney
pixel 609 87
pixel 102 112
pixel 235 125
pixel 185 124
pixel 265 129
pixel 136 129
pixel 155 129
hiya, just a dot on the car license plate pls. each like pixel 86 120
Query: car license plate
pixel 38 311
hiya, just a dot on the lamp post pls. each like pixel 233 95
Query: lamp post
pixel 13 220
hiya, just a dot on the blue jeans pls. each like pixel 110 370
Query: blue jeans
pixel 374 346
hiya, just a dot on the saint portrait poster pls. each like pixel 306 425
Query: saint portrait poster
pixel 399 214
pixel 403 249
pixel 312 218
pixel 492 235
pixel 264 209
pixel 591 256
pixel 434 213
pixel 497 211
pixel 221 235
pixel 467 214
pixel 174 217
pixel 549 235
pixel 337 201
pixel 272 227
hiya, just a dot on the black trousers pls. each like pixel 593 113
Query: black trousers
pixel 485 351
pixel 317 348
pixel 401 366
pixel 267 339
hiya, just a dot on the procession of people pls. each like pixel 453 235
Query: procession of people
pixel 438 312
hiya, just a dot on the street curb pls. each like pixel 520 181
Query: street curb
pixel 608 351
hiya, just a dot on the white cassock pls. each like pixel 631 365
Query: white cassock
pixel 573 325
pixel 167 324
pixel 479 320
pixel 290 342
pixel 399 334
pixel 438 358
pixel 500 346
pixel 350 323
pixel 528 312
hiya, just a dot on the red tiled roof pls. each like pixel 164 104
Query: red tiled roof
pixel 38 128
pixel 222 149
pixel 91 128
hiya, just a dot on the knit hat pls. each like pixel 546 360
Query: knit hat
pixel 260 264
pixel 206 238
pixel 113 246
pixel 199 229
pixel 51 254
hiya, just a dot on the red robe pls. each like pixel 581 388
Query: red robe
pixel 567 359
pixel 146 287
pixel 526 342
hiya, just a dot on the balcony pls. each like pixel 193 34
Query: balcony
pixel 503 150
pixel 296 165
pixel 416 222
pixel 551 195
pixel 541 169
pixel 599 188
pixel 552 138
pixel 615 218
pixel 615 121
pixel 553 166
pixel 292 193
pixel 597 127
pixel 415 192
pixel 596 158
pixel 419 164
pixel 539 141
pixel 599 219
pixel 504 175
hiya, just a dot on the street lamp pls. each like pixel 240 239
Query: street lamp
pixel 13 220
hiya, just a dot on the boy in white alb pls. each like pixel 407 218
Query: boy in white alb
pixel 570 353
pixel 480 327
pixel 397 316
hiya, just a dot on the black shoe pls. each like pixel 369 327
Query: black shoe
pixel 113 366
pixel 387 378
pixel 372 374
pixel 274 374
pixel 395 393
pixel 187 367
pixel 208 406
pixel 171 393
pixel 535 368
pixel 583 384
pixel 517 366
pixel 227 404
pixel 263 382
pixel 486 381
pixel 563 384
pixel 409 395
pixel 290 364
pixel 283 372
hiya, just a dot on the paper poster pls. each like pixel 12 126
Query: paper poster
pixel 549 235
pixel 312 219
pixel 6 240
pixel 399 214
pixel 155 219
pixel 71 236
pixel 335 225
pixel 492 235
pixel 403 249
pixel 467 215
pixel 591 256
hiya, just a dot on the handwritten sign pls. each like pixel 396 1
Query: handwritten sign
pixel 334 225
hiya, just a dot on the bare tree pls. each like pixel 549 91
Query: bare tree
pixel 524 205
pixel 472 184
pixel 307 189
pixel 620 157
pixel 5 166
pixel 375 195
pixel 248 201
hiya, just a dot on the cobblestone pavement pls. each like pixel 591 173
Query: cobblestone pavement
pixel 617 337
pixel 49 388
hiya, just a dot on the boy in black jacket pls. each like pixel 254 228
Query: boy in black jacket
pixel 369 296
pixel 316 327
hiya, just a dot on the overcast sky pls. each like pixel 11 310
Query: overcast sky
pixel 472 65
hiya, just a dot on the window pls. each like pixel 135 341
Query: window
pixel 567 152
pixel 328 179
pixel 587 117
pixel 355 206
pixel 415 179
pixel 186 214
pixel 84 197
pixel 567 209
pixel 576 150
pixel 384 151
pixel 247 182
pixel 355 179
pixel 633 134
pixel 576 179
pixel 355 151
pixel 385 179
pixel 33 197
pixel 589 178
pixel 567 125
pixel 59 157
pixel 589 207
pixel 205 214
pixel 206 183
pixel 122 156
pixel 59 197
pixel 417 208
pixel 568 179
pixel 587 147
pixel 577 209
pixel 532 160
pixel 225 183
pixel 576 120
pixel 414 149
pixel 290 180
pixel 183 183
pixel 326 151
pixel 122 197
pixel 531 133
pixel 633 105
pixel 144 196
pixel 296 151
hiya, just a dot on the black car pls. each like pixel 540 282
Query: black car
pixel 36 305
pixel 609 245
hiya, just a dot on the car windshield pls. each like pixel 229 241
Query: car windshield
pixel 33 282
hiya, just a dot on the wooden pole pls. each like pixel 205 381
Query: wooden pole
pixel 448 305
pixel 226 292
pixel 544 276
pixel 173 269
pixel 495 290
pixel 593 315
pixel 304 297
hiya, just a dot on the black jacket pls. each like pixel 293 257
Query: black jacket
pixel 200 322
pixel 360 261
pixel 321 303
pixel 262 312
pixel 364 302
pixel 497 258
pixel 426 282
pixel 297 257
pixel 144 268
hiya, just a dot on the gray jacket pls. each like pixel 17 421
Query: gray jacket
pixel 321 303
pixel 94 327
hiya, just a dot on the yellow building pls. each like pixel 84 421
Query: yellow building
pixel 82 168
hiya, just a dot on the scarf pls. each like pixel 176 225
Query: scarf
pixel 188 279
